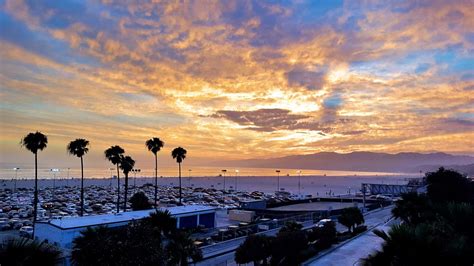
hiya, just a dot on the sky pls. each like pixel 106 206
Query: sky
pixel 236 79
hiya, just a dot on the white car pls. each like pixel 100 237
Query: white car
pixel 322 222
pixel 26 231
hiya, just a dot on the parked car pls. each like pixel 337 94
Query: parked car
pixel 26 231
pixel 5 226
pixel 322 222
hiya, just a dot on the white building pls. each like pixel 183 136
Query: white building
pixel 61 232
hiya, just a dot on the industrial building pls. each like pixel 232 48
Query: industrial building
pixel 61 232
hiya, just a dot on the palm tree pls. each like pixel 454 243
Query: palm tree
pixel 24 251
pixel 181 247
pixel 163 220
pixel 114 155
pixel 154 145
pixel 179 154
pixel 35 142
pixel 126 164
pixel 79 148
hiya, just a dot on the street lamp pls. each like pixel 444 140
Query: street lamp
pixel 16 176
pixel 236 174
pixel 223 173
pixel 135 171
pixel 67 179
pixel 278 179
pixel 54 171
pixel 299 183
pixel 189 177
pixel 111 176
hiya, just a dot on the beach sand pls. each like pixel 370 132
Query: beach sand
pixel 314 185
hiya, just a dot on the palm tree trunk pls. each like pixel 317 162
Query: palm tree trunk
pixel 82 187
pixel 179 183
pixel 118 189
pixel 126 192
pixel 156 180
pixel 35 199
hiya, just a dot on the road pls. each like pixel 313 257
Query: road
pixel 372 219
pixel 351 252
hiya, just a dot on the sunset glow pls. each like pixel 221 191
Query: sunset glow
pixel 237 79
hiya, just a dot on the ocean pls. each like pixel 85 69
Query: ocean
pixel 313 182
pixel 173 172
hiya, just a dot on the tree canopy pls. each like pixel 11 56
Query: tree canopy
pixel 256 249
pixel 23 251
pixel 35 142
pixel 140 201
pixel 150 241
pixel 437 227
pixel 350 217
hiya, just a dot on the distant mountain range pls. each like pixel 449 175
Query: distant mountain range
pixel 407 162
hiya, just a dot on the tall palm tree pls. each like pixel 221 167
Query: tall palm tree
pixel 79 148
pixel 179 154
pixel 35 142
pixel 154 145
pixel 114 155
pixel 126 164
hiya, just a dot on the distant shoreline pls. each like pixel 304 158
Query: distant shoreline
pixel 309 184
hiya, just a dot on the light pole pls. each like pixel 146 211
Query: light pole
pixel 236 174
pixel 299 183
pixel 135 171
pixel 189 177
pixel 67 179
pixel 54 170
pixel 16 177
pixel 111 176
pixel 223 174
pixel 278 179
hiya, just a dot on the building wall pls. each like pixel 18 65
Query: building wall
pixel 190 221
pixel 208 220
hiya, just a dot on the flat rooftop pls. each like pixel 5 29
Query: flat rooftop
pixel 77 222
pixel 315 206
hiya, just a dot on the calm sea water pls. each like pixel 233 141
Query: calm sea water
pixel 173 171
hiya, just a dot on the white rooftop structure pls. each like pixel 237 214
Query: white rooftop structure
pixel 61 232
pixel 105 219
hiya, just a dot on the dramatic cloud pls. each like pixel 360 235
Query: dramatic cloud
pixel 239 78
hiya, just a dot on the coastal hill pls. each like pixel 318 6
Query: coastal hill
pixel 408 162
